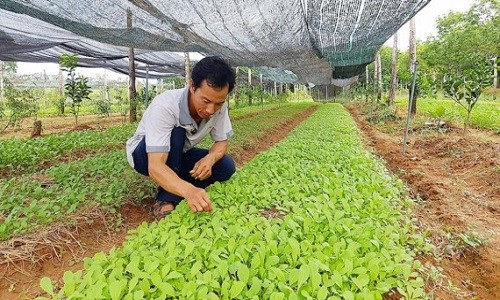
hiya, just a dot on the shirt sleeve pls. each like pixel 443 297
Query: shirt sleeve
pixel 222 129
pixel 158 129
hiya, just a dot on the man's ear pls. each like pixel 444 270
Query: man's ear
pixel 192 88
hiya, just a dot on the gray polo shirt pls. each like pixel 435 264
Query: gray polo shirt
pixel 168 110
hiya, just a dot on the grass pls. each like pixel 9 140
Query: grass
pixel 486 114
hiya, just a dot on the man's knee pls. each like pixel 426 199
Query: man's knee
pixel 227 167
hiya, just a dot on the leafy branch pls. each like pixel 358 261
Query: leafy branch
pixel 76 88
pixel 466 87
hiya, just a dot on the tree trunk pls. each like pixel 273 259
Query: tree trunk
pixel 413 60
pixel 187 67
pixel 37 129
pixel 131 74
pixel 249 76
pixel 379 77
pixel 394 71
pixel 467 121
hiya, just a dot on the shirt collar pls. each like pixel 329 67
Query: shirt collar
pixel 184 116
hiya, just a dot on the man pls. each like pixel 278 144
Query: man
pixel 175 121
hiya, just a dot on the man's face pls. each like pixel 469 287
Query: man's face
pixel 206 100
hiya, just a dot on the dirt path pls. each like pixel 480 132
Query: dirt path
pixel 96 231
pixel 455 179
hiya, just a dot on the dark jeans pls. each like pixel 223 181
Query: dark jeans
pixel 181 163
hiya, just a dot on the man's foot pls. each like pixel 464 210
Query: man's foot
pixel 162 209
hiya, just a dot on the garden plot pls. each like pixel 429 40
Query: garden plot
pixel 106 179
pixel 315 217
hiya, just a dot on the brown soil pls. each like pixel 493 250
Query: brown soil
pixel 272 213
pixel 455 180
pixel 51 125
pixel 96 231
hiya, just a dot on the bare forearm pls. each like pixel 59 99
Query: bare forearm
pixel 169 181
pixel 164 176
pixel 218 150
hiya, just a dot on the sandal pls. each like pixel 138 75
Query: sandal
pixel 160 211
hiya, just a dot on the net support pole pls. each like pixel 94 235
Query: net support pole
pixel 495 78
pixel 187 68
pixel 160 85
pixel 261 91
pixel 106 88
pixel 1 81
pixel 132 92
pixel 410 103
pixel 146 96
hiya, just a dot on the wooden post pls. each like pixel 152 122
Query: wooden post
pixel 261 92
pixel 45 78
pixel 378 76
pixel 236 86
pixel 146 98
pixel 187 67
pixel 160 85
pixel 367 80
pixel 1 81
pixel 413 60
pixel 394 70
pixel 106 88
pixel 61 82
pixel 495 78
pixel 131 73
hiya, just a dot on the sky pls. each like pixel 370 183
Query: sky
pixel 425 20
pixel 425 26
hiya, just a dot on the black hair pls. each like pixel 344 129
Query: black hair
pixel 215 70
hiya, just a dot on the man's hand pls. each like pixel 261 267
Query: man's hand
pixel 198 200
pixel 203 168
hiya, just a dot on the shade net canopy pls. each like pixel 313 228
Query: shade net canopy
pixel 315 41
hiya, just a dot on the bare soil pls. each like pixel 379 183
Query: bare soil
pixel 60 124
pixel 96 231
pixel 454 179
pixel 51 125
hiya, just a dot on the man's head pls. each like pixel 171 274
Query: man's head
pixel 212 79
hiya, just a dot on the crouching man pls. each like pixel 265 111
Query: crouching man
pixel 163 146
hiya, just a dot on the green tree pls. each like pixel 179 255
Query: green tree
pixel 385 58
pixel 174 82
pixel 76 88
pixel 466 87
pixel 462 36
pixel 151 93
pixel 7 70
pixel 19 104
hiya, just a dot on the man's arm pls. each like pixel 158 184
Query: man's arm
pixel 203 168
pixel 164 176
